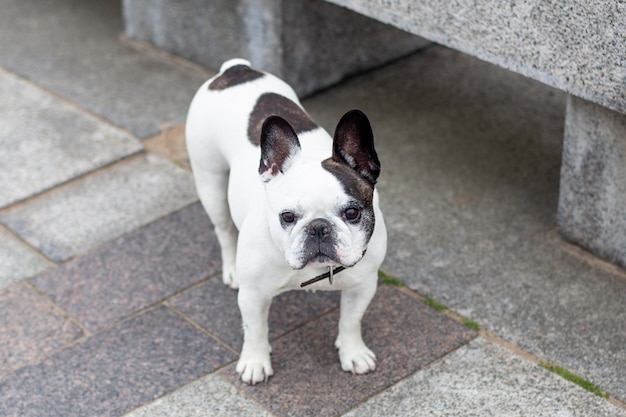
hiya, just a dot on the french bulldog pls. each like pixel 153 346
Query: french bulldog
pixel 291 206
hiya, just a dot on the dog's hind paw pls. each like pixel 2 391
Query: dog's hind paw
pixel 229 277
pixel 254 368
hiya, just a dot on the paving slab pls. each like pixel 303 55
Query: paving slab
pixel 135 271
pixel 72 48
pixel 470 159
pixel 18 260
pixel 30 327
pixel 405 334
pixel 170 143
pixel 115 371
pixel 209 396
pixel 102 207
pixel 214 306
pixel 484 379
pixel 46 141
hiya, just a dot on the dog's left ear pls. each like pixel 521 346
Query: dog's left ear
pixel 279 145
pixel 353 145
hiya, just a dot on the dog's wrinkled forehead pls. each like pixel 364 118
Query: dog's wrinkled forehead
pixel 353 184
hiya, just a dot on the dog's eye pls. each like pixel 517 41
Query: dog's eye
pixel 288 217
pixel 352 214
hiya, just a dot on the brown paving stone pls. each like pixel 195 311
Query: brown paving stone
pixel 405 334
pixel 30 327
pixel 135 271
pixel 114 371
pixel 170 143
pixel 214 306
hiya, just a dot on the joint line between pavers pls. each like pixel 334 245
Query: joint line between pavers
pixel 516 350
pixel 73 181
pixel 582 254
pixel 76 105
pixel 219 374
pixel 163 55
pixel 19 238
pixel 198 327
pixel 85 333
pixel 61 310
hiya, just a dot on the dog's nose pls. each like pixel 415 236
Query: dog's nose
pixel 319 228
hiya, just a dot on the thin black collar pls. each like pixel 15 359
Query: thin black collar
pixel 331 271
pixel 329 275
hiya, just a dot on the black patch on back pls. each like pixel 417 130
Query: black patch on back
pixel 238 74
pixel 271 104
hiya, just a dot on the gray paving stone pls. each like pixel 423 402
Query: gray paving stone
pixel 46 141
pixel 214 306
pixel 484 379
pixel 403 332
pixel 30 327
pixel 73 49
pixel 209 396
pixel 136 270
pixel 102 207
pixel 469 186
pixel 17 260
pixel 115 371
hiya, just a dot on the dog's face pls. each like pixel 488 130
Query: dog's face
pixel 320 213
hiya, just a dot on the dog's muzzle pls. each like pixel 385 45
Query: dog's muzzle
pixel 319 244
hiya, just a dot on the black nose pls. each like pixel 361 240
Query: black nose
pixel 319 228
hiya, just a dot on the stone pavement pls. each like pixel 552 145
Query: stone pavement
pixel 110 292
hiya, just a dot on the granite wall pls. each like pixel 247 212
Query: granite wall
pixel 312 44
pixel 592 200
pixel 576 46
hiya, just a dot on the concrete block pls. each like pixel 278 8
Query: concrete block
pixel 575 46
pixel 592 200
pixel 207 32
pixel 310 43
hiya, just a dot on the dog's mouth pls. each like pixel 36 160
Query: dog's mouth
pixel 322 259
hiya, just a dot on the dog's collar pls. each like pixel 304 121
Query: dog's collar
pixel 329 275
pixel 331 271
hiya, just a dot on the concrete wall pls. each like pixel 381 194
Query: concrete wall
pixel 576 46
pixel 592 201
pixel 310 43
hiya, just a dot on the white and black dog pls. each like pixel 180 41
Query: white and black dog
pixel 289 203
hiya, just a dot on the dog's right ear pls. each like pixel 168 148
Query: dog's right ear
pixel 279 145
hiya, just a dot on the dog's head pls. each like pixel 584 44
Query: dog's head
pixel 320 214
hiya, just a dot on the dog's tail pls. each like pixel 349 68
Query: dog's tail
pixel 234 62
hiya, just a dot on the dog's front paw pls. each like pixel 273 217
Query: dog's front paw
pixel 253 368
pixel 356 357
